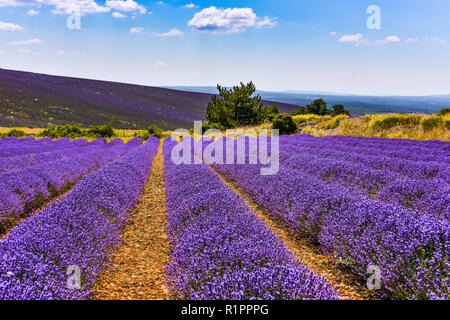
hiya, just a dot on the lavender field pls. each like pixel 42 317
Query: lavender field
pixel 80 229
pixel 364 204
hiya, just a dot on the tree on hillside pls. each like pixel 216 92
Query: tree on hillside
pixel 339 109
pixel 269 113
pixel 236 107
pixel 318 107
pixel 299 111
pixel 444 111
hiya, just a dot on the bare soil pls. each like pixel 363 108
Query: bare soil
pixel 137 270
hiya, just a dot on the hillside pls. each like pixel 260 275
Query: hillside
pixel 38 100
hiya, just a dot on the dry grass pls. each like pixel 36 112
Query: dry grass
pixel 393 126
pixel 29 131
pixel 310 119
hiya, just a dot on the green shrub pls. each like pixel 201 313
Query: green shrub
pixel 104 131
pixel 269 113
pixel 285 124
pixel 339 109
pixel 67 131
pixel 431 123
pixel 15 133
pixel 152 131
pixel 444 112
pixel 299 111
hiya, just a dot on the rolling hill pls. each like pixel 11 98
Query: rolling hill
pixel 38 100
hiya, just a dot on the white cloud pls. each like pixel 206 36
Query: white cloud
pixel 118 15
pixel 2 51
pixel 58 11
pixel 61 6
pixel 8 26
pixel 408 40
pixel 171 33
pixel 11 3
pixel 136 30
pixel 160 64
pixel 358 39
pixel 79 53
pixel 190 6
pixel 161 3
pixel 126 6
pixel 32 12
pixel 60 52
pixel 387 40
pixel 438 40
pixel 392 39
pixel 231 20
pixel 26 42
pixel 266 22
pixel 333 33
pixel 24 50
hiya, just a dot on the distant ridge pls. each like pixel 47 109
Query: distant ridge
pixel 356 104
pixel 38 100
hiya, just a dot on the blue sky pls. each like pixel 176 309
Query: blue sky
pixel 321 45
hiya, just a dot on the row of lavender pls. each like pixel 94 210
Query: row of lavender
pixel 24 190
pixel 419 185
pixel 221 250
pixel 379 147
pixel 29 145
pixel 373 157
pixel 390 145
pixel 19 162
pixel 410 248
pixel 77 233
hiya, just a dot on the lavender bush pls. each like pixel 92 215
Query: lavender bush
pixel 221 250
pixel 25 190
pixel 31 145
pixel 431 196
pixel 410 248
pixel 80 230
pixel 24 161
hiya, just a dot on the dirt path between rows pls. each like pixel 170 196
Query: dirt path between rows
pixel 137 270
pixel 304 251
